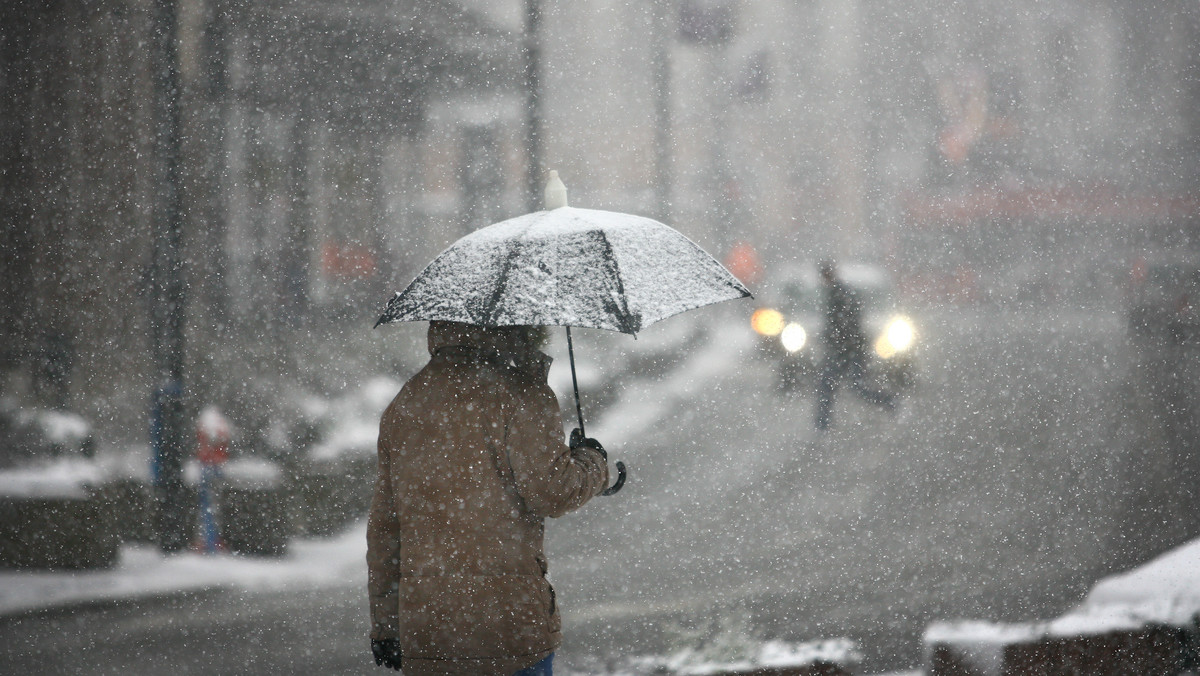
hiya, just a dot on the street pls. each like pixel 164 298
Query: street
pixel 1002 489
pixel 258 207
pixel 996 492
pixel 317 632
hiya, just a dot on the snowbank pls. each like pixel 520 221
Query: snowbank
pixel 65 478
pixel 247 473
pixel 145 572
pixel 768 655
pixel 62 427
pixel 350 423
pixel 1165 591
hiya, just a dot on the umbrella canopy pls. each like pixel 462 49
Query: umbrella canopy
pixel 566 267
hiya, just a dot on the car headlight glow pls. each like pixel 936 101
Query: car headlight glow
pixel 793 337
pixel 897 337
pixel 767 322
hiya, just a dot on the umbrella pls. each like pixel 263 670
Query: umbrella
pixel 566 266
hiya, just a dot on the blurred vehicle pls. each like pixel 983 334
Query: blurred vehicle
pixel 1164 298
pixel 790 320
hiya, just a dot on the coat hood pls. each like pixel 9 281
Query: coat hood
pixel 513 344
pixel 501 340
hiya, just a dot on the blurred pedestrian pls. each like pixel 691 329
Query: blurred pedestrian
pixel 471 461
pixel 213 436
pixel 845 347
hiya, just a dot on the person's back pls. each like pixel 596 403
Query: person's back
pixel 471 461
pixel 842 332
pixel 845 347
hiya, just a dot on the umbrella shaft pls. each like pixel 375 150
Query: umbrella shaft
pixel 575 382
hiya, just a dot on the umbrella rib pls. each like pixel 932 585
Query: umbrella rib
pixel 631 324
pixel 493 303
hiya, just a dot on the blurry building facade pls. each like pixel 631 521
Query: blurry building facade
pixel 303 152
pixel 330 148
pixel 810 128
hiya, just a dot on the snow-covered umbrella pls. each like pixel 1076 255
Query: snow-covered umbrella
pixel 567 267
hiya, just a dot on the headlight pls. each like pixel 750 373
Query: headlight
pixel 793 337
pixel 767 322
pixel 897 337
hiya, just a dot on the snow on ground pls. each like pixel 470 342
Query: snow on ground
pixel 762 655
pixel 352 420
pixel 643 405
pixel 1163 591
pixel 65 478
pixel 1166 589
pixel 143 572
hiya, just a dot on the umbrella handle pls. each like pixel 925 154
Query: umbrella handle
pixel 575 382
pixel 611 490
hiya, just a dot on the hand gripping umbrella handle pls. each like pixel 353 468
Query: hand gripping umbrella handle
pixel 579 411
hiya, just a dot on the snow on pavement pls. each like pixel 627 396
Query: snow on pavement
pixel 644 403
pixel 143 572
pixel 1163 591
pixel 56 478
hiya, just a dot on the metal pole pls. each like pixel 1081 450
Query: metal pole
pixel 168 290
pixel 533 106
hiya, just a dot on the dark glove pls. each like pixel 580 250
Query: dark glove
pixel 577 440
pixel 386 652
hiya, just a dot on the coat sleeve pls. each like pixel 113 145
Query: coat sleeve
pixel 383 547
pixel 550 477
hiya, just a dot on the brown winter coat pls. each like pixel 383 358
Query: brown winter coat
pixel 471 461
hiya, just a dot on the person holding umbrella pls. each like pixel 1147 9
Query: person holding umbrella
pixel 471 461
pixel 471 456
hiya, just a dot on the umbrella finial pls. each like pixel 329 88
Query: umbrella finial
pixel 556 192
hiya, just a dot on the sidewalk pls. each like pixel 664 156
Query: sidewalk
pixel 145 572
